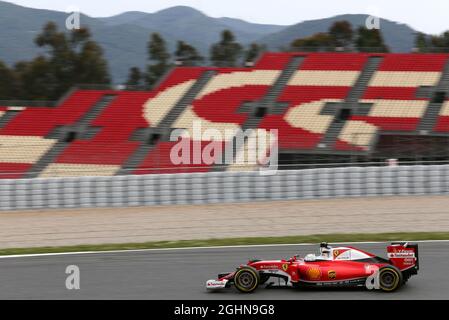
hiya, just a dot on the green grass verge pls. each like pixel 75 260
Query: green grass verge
pixel 235 241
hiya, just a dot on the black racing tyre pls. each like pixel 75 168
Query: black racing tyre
pixel 246 279
pixel 390 278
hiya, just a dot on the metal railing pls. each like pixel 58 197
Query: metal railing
pixel 27 103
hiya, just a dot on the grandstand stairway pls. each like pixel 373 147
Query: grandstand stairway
pixel 430 117
pixel 360 86
pixel 151 136
pixel 187 99
pixel 270 100
pixel 351 102
pixel 332 134
pixel 269 104
pixel 8 116
pixel 95 111
pixel 79 130
pixel 137 157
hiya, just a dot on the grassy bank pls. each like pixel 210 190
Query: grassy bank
pixel 235 241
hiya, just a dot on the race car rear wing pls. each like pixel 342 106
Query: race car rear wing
pixel 404 256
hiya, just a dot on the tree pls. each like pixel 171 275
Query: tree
pixel 318 41
pixel 187 54
pixel 90 66
pixel 135 77
pixel 59 60
pixel 71 59
pixel 227 51
pixel 439 43
pixel 89 63
pixel 78 37
pixel 421 42
pixel 51 38
pixel 7 82
pixel 159 58
pixel 445 37
pixel 19 70
pixel 253 52
pixel 370 40
pixel 37 79
pixel 341 33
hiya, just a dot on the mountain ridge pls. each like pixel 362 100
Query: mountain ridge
pixel 124 36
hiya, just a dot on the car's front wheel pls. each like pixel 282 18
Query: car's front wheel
pixel 246 279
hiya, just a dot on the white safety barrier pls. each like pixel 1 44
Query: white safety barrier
pixel 222 187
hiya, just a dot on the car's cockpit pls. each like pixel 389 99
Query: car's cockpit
pixel 328 253
pixel 325 254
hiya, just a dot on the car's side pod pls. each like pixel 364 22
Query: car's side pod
pixel 405 257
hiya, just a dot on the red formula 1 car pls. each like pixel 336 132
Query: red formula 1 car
pixel 333 267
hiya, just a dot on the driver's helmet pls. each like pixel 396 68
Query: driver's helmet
pixel 325 250
pixel 310 257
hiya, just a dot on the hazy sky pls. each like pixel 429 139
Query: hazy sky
pixel 430 16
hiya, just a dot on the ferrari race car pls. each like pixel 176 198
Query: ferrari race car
pixel 333 267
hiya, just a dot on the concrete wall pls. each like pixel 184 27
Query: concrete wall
pixel 222 187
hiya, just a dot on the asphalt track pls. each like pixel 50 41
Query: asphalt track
pixel 181 274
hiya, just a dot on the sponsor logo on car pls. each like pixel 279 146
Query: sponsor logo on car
pixel 216 284
pixel 401 254
pixel 409 261
pixel 336 253
pixel 313 273
pixel 332 275
pixel 371 268
pixel 270 266
pixel 285 267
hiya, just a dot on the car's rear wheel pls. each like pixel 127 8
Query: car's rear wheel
pixel 246 279
pixel 390 278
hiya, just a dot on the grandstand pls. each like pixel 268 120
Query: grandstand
pixel 335 107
